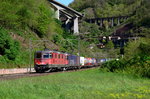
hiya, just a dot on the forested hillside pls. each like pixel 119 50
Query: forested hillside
pixel 137 9
pixel 136 56
pixel 105 8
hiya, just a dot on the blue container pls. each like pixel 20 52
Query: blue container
pixel 103 60
pixel 93 61
pixel 73 60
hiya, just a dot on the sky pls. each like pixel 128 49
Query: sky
pixel 65 2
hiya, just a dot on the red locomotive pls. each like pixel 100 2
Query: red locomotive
pixel 44 60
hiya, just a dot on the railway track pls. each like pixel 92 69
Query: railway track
pixel 34 74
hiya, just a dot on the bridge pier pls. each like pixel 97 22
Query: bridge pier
pixel 57 14
pixel 101 23
pixel 118 21
pixel 112 22
pixel 67 24
pixel 75 26
pixel 96 21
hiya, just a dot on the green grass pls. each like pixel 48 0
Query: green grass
pixel 88 84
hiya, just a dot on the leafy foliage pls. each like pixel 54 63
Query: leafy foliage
pixel 33 14
pixel 113 65
pixel 8 47
pixel 136 60
pixel 107 8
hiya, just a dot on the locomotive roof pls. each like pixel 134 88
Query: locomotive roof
pixel 48 51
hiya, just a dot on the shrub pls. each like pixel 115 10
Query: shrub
pixel 137 65
pixel 8 47
pixel 136 60
pixel 114 65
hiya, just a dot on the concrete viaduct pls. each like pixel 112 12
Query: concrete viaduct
pixel 68 16
pixel 100 21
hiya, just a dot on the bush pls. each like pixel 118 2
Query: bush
pixel 136 60
pixel 8 47
pixel 114 65
pixel 138 65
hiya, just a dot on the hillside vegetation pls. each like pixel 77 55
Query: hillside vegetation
pixel 136 53
pixel 136 56
pixel 106 8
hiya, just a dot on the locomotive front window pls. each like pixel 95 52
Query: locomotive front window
pixel 38 55
pixel 47 55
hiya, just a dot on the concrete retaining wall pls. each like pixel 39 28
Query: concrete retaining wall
pixel 14 71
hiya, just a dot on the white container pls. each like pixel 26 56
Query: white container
pixel 81 61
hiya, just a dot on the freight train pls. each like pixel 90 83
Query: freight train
pixel 48 60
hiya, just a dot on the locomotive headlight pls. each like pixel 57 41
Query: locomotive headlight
pixel 37 64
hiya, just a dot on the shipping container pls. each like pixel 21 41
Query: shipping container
pixel 73 60
pixel 93 61
pixel 82 61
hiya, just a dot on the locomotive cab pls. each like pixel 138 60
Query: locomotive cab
pixel 41 60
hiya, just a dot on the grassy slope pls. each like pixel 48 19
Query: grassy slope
pixel 87 84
